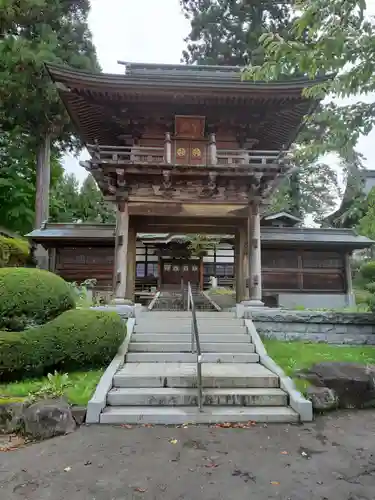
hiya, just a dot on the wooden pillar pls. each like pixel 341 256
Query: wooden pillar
pixel 212 150
pixel 52 259
pixel 240 263
pixel 168 148
pixel 122 234
pixel 255 267
pixel 131 261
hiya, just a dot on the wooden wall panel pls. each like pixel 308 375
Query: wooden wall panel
pixel 81 263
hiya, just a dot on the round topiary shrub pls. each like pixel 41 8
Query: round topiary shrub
pixel 30 297
pixel 76 339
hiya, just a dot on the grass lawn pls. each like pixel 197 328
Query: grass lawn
pixel 79 392
pixel 291 356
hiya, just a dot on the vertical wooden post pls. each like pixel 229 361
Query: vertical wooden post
pixel 122 234
pixel 240 263
pixel 131 259
pixel 168 148
pixel 52 260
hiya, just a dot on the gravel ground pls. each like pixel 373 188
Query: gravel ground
pixel 331 459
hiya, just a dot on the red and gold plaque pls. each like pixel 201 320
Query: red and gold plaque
pixel 189 127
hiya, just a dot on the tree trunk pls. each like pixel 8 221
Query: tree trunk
pixel 43 178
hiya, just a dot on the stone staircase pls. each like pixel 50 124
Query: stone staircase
pixel 158 382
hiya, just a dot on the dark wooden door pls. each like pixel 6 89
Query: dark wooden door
pixel 176 271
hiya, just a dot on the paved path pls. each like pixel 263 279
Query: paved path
pixel 332 459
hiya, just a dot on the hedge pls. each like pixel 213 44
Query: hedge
pixel 76 339
pixel 13 252
pixel 30 297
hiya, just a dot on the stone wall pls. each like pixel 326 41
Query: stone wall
pixel 315 326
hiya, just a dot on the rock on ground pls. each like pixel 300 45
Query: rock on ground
pixel 48 418
pixel 354 384
pixel 11 417
pixel 322 398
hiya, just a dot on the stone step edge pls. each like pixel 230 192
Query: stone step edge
pixel 179 415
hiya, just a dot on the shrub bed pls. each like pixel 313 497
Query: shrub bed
pixel 76 339
pixel 30 297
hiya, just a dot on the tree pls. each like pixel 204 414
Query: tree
pixel 72 203
pixel 227 32
pixel 34 32
pixel 329 37
pixel 92 207
pixel 65 200
pixel 366 225
pixel 17 181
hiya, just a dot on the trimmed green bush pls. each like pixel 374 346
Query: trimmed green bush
pixel 80 338
pixel 30 297
pixel 13 252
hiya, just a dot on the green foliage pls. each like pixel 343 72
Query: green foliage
pixel 367 271
pixel 366 224
pixel 199 244
pixel 18 178
pixel 31 297
pixel 35 32
pixel 72 203
pixel 328 37
pixel 78 389
pixel 13 252
pixel 227 33
pixel 55 386
pixel 75 339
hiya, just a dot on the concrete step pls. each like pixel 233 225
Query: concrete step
pixel 186 314
pixel 182 415
pixel 173 346
pixel 169 396
pixel 180 328
pixel 184 337
pixel 219 375
pixel 188 357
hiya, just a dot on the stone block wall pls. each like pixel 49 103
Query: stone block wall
pixel 315 326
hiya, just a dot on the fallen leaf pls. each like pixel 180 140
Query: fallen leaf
pixel 173 441
pixel 275 483
pixel 67 469
pixel 140 490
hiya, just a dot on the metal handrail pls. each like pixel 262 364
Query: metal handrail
pixel 153 301
pixel 195 344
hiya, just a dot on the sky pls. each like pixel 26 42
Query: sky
pixel 153 31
